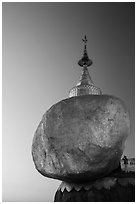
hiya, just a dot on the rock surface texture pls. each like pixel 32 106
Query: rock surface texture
pixel 81 138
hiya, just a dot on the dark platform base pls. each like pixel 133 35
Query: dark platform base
pixel 118 187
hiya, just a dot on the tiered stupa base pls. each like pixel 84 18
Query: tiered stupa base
pixel 119 186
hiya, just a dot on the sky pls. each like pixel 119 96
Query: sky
pixel 41 45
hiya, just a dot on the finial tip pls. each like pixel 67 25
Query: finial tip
pixel 85 39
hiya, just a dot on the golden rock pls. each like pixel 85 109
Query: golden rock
pixel 81 138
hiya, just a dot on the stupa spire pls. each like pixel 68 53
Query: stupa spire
pixel 85 86
pixel 85 59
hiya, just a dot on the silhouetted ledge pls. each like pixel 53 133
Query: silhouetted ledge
pixel 117 187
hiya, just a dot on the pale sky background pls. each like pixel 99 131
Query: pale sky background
pixel 41 46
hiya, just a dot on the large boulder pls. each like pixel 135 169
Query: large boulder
pixel 81 138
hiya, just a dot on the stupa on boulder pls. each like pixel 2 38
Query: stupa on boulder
pixel 85 86
pixel 81 139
